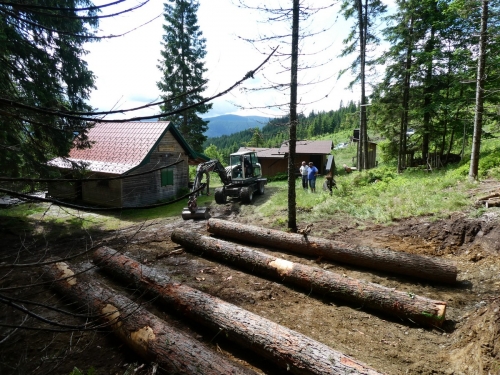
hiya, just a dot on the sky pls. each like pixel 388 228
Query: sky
pixel 127 67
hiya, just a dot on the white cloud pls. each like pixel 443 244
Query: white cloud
pixel 126 67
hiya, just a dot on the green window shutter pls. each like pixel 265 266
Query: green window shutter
pixel 167 177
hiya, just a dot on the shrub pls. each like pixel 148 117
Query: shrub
pixel 374 175
pixel 282 176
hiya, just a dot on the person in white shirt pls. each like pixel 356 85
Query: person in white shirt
pixel 303 171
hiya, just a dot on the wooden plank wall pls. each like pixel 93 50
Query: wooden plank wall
pixel 147 189
pixel 103 193
pixel 273 166
pixel 63 190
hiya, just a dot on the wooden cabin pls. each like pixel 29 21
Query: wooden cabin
pixel 128 149
pixel 275 160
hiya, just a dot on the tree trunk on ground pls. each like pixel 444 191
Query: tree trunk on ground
pixel 401 263
pixel 400 304
pixel 146 334
pixel 284 347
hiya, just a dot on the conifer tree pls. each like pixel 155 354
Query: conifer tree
pixel 41 72
pixel 183 68
pixel 361 36
pixel 257 139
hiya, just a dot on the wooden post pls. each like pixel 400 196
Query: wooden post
pixel 290 350
pixel 386 260
pixel 404 305
pixel 146 334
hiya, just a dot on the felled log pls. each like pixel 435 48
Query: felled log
pixel 492 195
pixel 492 203
pixel 286 348
pixel 404 305
pixel 386 260
pixel 147 335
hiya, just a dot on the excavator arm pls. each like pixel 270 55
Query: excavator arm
pixel 205 169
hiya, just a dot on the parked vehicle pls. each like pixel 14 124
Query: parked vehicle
pixel 341 145
pixel 241 179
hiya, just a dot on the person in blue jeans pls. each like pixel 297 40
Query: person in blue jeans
pixel 312 172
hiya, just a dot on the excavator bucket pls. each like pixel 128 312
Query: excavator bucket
pixel 201 213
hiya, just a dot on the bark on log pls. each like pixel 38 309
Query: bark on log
pixel 404 305
pixel 492 203
pixel 390 261
pixel 147 335
pixel 286 348
pixel 492 195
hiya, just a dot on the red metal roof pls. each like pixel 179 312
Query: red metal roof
pixel 264 152
pixel 302 147
pixel 116 147
pixel 309 147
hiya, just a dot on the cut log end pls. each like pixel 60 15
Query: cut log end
pixel 66 273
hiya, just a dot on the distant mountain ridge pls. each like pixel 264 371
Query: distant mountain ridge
pixel 229 124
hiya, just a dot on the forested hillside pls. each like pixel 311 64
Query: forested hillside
pixel 229 124
pixel 276 131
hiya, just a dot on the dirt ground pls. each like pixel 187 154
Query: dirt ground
pixel 467 343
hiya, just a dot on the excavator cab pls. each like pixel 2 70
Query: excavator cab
pixel 244 165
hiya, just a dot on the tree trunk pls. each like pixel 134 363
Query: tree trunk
pixel 362 142
pixel 292 201
pixel 406 101
pixel 401 263
pixel 428 90
pixel 146 334
pixel 478 117
pixel 284 347
pixel 373 296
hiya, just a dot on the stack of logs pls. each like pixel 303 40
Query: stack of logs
pixel 491 200
pixel 298 354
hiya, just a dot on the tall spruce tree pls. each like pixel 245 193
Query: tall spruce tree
pixel 426 85
pixel 42 71
pixel 361 36
pixel 183 68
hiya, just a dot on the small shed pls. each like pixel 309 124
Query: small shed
pixel 372 150
pixel 275 160
pixel 128 149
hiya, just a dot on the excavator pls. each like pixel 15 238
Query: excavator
pixel 241 179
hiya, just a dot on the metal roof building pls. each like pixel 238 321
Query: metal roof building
pixel 275 160
pixel 126 149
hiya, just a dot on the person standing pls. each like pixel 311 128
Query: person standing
pixel 303 172
pixel 312 172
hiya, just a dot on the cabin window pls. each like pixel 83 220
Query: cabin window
pixel 167 177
